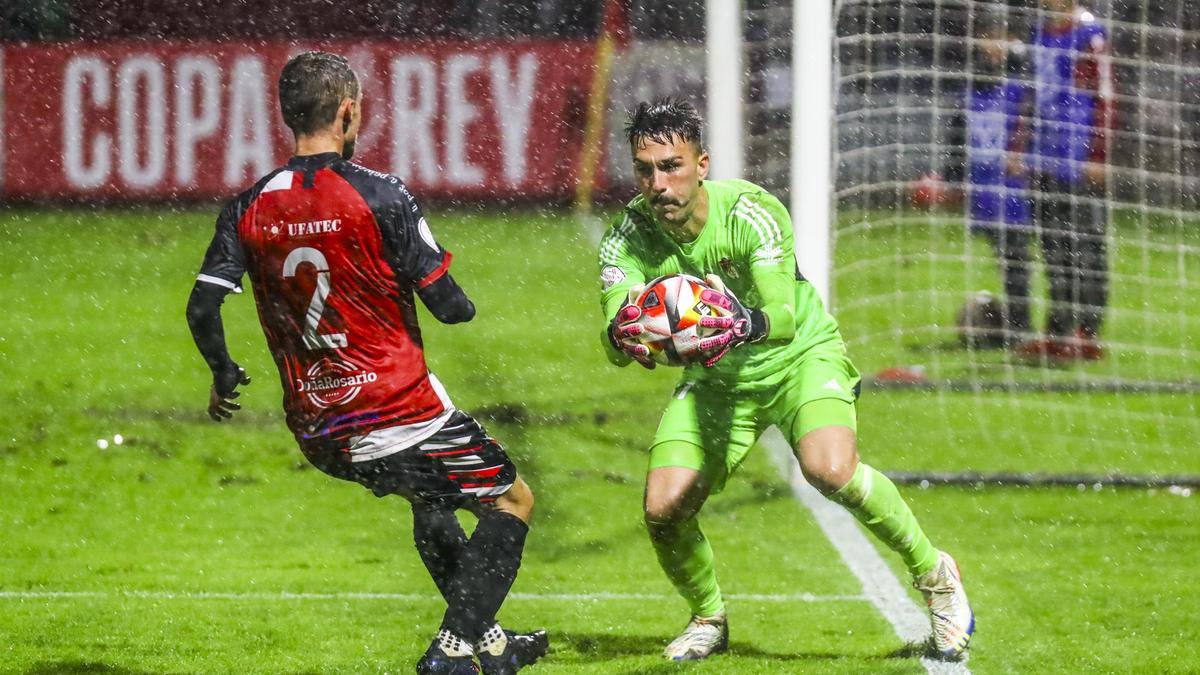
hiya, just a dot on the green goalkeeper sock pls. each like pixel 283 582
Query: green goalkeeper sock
pixel 873 498
pixel 686 556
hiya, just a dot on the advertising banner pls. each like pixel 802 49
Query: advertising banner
pixel 138 121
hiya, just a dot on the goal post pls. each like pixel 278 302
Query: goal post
pixel 724 87
pixel 729 54
pixel 811 184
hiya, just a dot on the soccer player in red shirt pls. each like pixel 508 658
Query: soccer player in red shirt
pixel 336 253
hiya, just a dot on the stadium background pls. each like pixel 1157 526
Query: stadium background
pixel 192 548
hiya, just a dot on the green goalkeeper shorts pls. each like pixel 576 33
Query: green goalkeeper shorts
pixel 709 428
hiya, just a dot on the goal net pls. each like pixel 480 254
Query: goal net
pixel 956 173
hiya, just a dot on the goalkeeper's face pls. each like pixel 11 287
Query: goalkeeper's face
pixel 669 176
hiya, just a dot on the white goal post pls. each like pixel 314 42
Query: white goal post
pixel 811 140
pixel 724 83
pixel 811 88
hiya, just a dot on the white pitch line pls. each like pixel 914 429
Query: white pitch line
pixel 880 586
pixel 407 597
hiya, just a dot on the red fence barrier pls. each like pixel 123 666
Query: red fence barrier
pixel 196 121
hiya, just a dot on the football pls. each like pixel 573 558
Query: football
pixel 671 311
pixel 979 321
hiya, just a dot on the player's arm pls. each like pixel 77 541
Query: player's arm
pixel 765 243
pixel 220 274
pixel 447 301
pixel 1094 73
pixel 1019 102
pixel 621 279
pixel 418 258
pixel 772 261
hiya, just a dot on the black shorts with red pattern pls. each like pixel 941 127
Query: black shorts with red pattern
pixel 457 465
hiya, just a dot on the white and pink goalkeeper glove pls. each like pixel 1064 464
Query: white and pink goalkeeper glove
pixel 739 326
pixel 624 329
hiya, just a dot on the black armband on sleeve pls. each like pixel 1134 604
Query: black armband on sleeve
pixel 204 319
pixel 447 301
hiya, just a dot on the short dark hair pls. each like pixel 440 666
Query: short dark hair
pixel 662 119
pixel 311 87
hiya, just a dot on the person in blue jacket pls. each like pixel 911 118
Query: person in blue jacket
pixel 999 205
pixel 1073 118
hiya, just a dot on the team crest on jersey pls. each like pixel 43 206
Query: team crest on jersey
pixel 611 275
pixel 728 267
pixel 330 383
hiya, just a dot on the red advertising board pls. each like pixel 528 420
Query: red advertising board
pixel 151 120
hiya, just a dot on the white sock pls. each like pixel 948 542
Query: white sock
pixel 494 641
pixel 452 645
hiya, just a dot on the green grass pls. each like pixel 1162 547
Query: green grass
pixel 902 279
pixel 93 343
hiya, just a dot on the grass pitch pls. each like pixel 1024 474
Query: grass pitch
pixel 197 547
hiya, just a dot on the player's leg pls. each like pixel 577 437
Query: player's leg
pixel 487 568
pixel 681 476
pixel 820 422
pixel 1012 249
pixel 439 536
pixel 672 502
pixel 1016 259
pixel 674 496
pixel 828 457
pixel 440 541
pixel 1092 224
pixel 1058 251
pixel 461 466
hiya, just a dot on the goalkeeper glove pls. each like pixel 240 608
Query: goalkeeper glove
pixel 624 329
pixel 226 380
pixel 741 325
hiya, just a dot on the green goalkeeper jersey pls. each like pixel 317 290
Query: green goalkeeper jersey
pixel 747 241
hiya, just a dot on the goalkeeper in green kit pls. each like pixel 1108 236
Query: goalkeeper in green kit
pixel 777 358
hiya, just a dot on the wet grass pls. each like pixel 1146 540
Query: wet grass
pixel 181 544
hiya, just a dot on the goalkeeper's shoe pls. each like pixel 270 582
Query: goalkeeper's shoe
pixel 502 652
pixel 703 637
pixel 448 655
pixel 949 612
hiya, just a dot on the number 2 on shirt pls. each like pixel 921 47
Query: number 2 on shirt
pixel 316 307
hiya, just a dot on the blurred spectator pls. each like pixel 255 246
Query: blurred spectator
pixel 998 108
pixel 1073 116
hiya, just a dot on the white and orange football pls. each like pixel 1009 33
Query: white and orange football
pixel 671 311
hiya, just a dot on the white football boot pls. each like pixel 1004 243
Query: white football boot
pixel 949 612
pixel 703 637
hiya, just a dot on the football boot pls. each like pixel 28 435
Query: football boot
pixel 703 637
pixel 949 612
pixel 503 652
pixel 448 655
